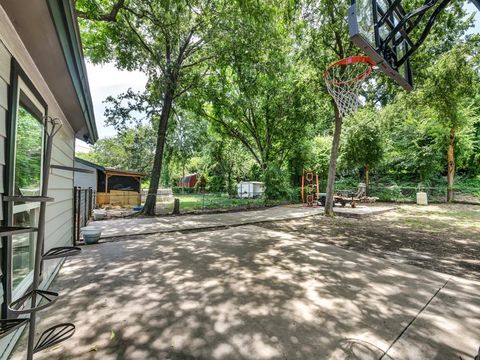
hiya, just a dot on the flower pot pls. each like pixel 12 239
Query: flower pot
pixel 99 214
pixel 91 234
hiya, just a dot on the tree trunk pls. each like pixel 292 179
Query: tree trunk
pixel 229 182
pixel 367 181
pixel 332 169
pixel 151 201
pixel 451 165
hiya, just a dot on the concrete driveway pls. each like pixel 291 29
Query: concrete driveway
pixel 252 293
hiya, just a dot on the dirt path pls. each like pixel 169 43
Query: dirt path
pixel 443 238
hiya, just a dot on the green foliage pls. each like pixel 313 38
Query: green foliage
pixel 183 190
pixel 28 152
pixel 363 140
pixel 450 87
pixel 276 184
pixel 131 149
pixel 258 93
pixel 250 104
pixel 201 183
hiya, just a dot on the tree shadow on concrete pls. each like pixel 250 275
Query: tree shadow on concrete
pixel 416 240
pixel 241 293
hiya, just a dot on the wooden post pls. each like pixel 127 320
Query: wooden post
pixel 176 206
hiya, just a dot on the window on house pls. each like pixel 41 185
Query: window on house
pixel 28 152
pixel 27 181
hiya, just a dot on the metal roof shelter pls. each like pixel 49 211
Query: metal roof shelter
pixel 109 178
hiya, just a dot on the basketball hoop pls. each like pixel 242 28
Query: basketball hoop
pixel 344 80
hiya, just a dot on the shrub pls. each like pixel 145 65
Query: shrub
pixel 276 184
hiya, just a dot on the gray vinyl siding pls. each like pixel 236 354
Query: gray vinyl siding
pixel 85 180
pixel 5 61
pixel 59 216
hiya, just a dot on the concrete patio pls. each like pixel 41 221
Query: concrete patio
pixel 153 225
pixel 252 293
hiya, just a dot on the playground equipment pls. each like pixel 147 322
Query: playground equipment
pixel 388 35
pixel 344 80
pixel 310 189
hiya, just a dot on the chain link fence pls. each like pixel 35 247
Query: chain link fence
pixel 192 202
pixel 405 194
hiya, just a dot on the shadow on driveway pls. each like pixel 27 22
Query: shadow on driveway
pixel 248 293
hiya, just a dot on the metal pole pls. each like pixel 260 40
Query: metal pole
pixel 77 210
pixel 85 218
pixel 90 197
pixel 41 230
pixel 74 216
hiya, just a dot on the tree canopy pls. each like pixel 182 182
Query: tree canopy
pixel 235 92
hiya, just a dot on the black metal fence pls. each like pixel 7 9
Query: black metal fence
pixel 83 205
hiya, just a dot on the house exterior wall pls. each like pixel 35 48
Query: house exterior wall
pixel 85 180
pixel 59 216
pixel 5 60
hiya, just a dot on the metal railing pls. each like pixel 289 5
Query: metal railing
pixel 83 205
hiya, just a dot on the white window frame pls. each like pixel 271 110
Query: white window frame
pixel 25 284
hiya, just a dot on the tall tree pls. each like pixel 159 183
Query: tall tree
pixel 166 40
pixel 329 42
pixel 450 90
pixel 363 142
pixel 258 93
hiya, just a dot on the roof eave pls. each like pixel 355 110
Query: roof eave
pixel 66 26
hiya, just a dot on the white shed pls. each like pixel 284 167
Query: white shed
pixel 250 189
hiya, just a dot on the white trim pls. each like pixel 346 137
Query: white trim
pixel 24 285
pixel 26 90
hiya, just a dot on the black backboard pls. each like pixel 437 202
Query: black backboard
pixel 371 24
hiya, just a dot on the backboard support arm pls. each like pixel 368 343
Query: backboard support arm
pixel 476 3
pixel 390 35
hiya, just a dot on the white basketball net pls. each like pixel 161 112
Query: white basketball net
pixel 344 81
